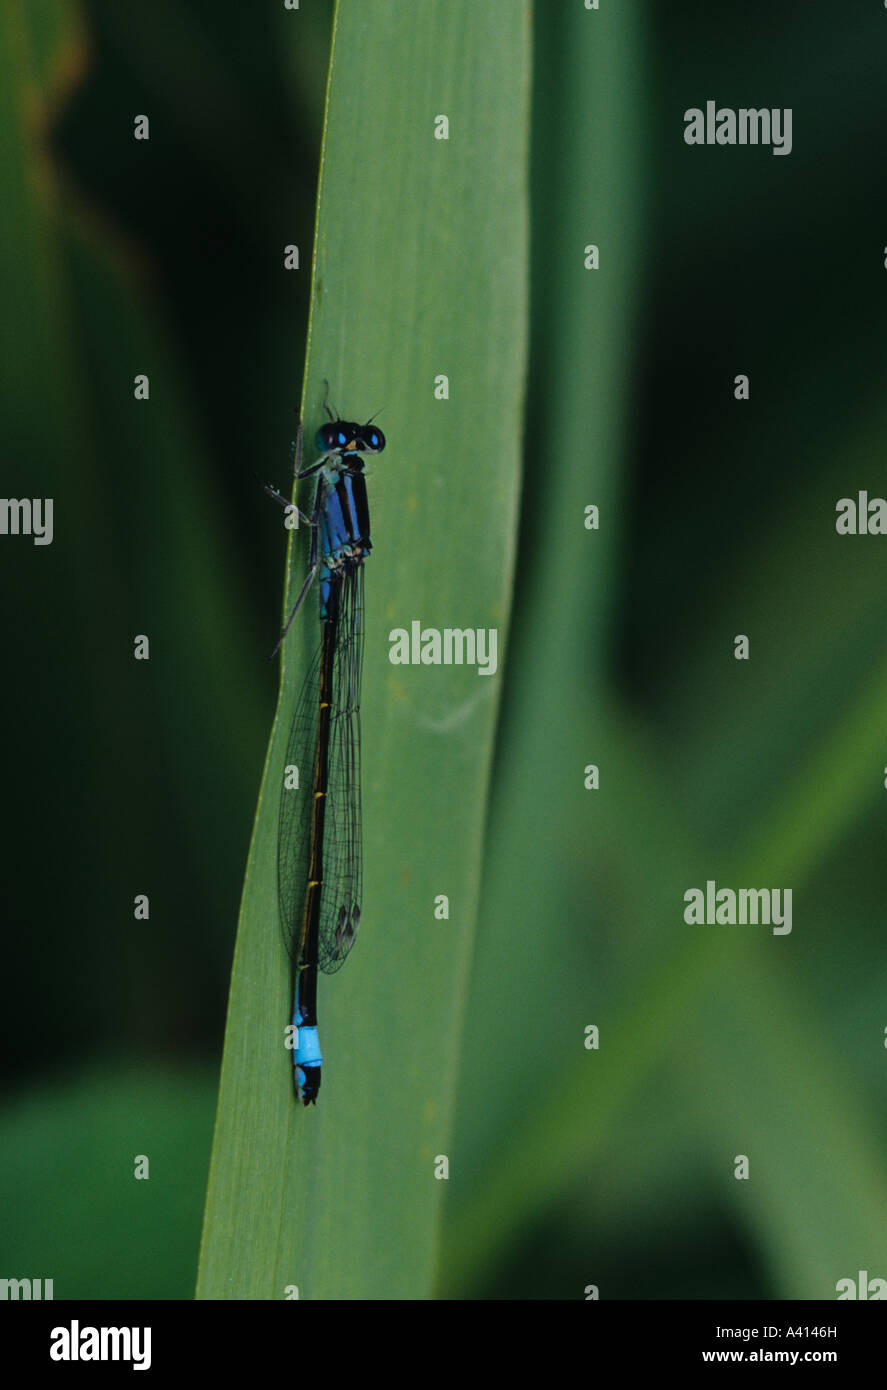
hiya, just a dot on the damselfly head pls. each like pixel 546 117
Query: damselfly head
pixel 346 437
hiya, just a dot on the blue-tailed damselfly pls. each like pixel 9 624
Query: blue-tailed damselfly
pixel 320 913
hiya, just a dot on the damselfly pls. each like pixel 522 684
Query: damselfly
pixel 320 911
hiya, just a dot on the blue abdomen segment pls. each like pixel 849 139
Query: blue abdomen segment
pixel 307 1059
pixel 308 1051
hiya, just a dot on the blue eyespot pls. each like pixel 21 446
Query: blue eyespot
pixel 341 438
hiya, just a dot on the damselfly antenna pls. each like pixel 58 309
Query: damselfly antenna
pixel 326 396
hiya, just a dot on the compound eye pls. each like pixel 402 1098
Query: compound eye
pixel 329 438
pixel 375 440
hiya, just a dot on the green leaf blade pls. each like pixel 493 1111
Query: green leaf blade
pixel 342 1202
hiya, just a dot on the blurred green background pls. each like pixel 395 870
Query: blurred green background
pixel 612 1168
